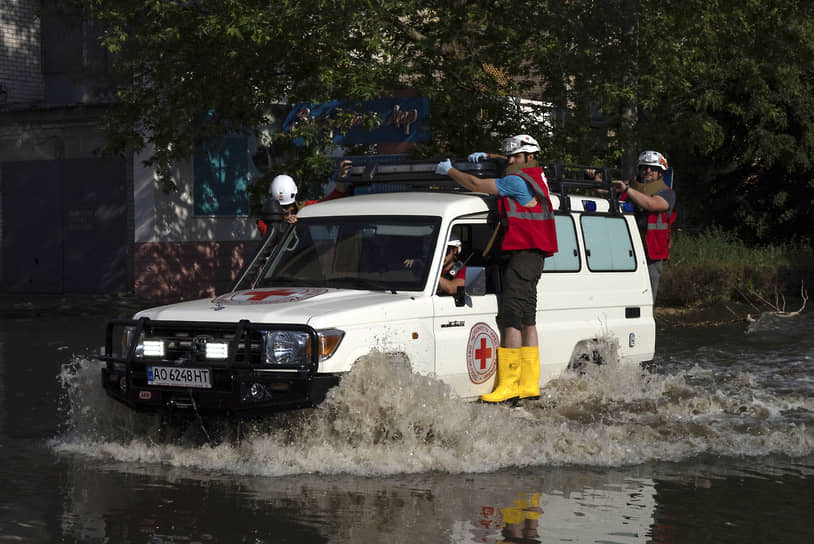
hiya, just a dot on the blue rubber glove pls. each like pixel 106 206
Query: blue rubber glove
pixel 477 156
pixel 443 167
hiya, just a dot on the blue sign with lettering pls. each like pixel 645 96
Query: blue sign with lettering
pixel 400 119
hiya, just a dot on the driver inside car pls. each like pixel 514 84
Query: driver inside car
pixel 453 273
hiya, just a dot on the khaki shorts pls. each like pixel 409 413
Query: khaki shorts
pixel 518 304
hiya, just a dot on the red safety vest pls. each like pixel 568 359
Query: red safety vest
pixel 530 228
pixel 657 237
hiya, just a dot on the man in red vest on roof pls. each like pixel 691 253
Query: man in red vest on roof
pixel 529 237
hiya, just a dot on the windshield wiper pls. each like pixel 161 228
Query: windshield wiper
pixel 355 282
pixel 289 281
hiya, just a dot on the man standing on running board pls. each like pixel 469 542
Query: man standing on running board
pixel 529 237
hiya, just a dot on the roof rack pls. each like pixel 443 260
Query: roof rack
pixel 564 177
pixel 413 175
pixel 419 175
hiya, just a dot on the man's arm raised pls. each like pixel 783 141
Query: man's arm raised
pixel 467 181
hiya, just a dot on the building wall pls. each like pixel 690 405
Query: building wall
pixel 64 216
pixel 171 271
pixel 174 254
pixel 177 254
pixel 50 69
pixel 21 76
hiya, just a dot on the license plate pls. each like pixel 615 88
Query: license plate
pixel 179 376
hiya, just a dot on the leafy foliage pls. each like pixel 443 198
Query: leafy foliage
pixel 192 70
pixel 724 88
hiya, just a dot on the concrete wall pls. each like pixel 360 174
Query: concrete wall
pixel 180 255
pixel 50 69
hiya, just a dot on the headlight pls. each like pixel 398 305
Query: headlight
pixel 152 348
pixel 286 348
pixel 128 337
pixel 144 347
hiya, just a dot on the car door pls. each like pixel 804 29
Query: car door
pixel 466 335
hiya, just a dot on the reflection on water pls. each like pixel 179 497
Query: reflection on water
pixel 185 505
pixel 687 503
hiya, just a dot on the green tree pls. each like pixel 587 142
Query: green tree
pixel 723 87
pixel 190 71
pixel 739 95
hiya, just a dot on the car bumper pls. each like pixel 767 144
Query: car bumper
pixel 235 384
pixel 233 392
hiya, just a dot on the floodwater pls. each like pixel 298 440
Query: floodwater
pixel 712 443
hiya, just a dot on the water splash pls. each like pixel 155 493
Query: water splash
pixel 384 419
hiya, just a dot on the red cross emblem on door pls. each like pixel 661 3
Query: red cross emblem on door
pixel 481 353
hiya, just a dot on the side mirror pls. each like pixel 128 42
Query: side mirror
pixel 460 296
pixel 475 281
pixel 475 285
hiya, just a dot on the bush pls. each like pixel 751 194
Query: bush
pixel 714 266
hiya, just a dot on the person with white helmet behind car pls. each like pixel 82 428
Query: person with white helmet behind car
pixel 529 237
pixel 654 207
pixel 283 189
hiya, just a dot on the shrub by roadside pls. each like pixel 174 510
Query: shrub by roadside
pixel 713 267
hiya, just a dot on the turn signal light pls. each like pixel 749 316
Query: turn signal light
pixel 329 340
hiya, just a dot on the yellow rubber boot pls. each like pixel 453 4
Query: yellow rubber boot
pixel 512 515
pixel 508 373
pixel 529 384
pixel 533 511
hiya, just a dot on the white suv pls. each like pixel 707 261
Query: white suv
pixel 360 274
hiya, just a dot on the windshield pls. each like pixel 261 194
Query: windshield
pixel 368 252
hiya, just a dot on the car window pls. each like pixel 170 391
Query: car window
pixel 359 252
pixel 476 237
pixel 566 259
pixel 608 245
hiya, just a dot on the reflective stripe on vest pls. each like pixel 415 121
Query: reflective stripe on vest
pixel 659 223
pixel 529 228
pixel 544 215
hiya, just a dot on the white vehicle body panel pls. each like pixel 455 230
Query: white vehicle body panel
pixel 455 343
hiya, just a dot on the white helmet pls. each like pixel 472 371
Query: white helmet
pixel 522 143
pixel 455 242
pixel 653 158
pixel 283 189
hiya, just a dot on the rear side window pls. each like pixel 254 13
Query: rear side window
pixel 566 259
pixel 608 245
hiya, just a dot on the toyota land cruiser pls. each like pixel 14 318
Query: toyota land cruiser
pixel 359 274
